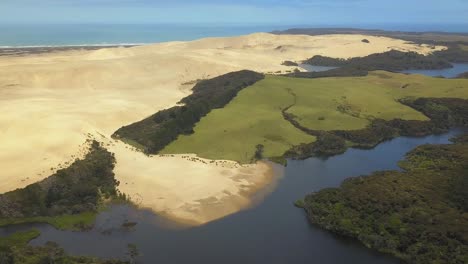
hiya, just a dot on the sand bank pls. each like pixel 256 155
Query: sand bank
pixel 188 189
pixel 50 103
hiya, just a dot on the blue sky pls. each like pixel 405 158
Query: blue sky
pixel 284 12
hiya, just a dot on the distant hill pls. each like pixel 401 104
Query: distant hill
pixel 427 37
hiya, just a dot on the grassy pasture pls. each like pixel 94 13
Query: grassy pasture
pixel 344 103
pixel 253 117
pixel 349 103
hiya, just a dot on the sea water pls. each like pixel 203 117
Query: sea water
pixel 14 35
pixel 103 34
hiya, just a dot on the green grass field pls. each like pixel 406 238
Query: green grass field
pixel 349 103
pixel 345 103
pixel 253 117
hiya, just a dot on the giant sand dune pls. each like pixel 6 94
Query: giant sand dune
pixel 51 103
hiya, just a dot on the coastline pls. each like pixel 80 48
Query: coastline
pixel 33 50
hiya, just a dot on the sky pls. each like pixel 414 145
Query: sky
pixel 279 12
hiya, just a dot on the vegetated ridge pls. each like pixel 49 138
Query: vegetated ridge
pixel 67 199
pixel 389 61
pixel 152 134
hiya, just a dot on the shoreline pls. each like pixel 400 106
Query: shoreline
pixel 246 199
pixel 34 50
pixel 216 188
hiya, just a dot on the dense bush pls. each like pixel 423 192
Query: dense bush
pixel 157 131
pixel 76 189
pixel 443 112
pixel 393 60
pixel 327 144
pixel 376 132
pixel 418 215
pixel 389 61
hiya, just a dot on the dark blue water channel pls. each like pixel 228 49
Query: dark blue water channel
pixel 272 232
pixel 457 69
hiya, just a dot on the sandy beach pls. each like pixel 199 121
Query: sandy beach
pixel 50 103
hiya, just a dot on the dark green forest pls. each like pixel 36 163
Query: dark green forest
pixel 160 129
pixel 418 214
pixel 73 190
pixel 67 199
pixel 393 61
pixel 444 113
pixel 389 61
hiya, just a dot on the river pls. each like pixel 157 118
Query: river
pixel 272 232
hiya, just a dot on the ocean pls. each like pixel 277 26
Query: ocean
pixel 26 35
pixel 90 35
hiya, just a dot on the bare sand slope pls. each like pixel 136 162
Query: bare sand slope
pixel 186 188
pixel 50 103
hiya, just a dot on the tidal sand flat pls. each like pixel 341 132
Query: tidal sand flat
pixel 188 189
pixel 51 103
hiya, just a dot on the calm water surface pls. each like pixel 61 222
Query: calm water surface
pixel 314 68
pixel 457 69
pixel 272 232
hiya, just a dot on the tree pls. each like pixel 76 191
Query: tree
pixel 259 152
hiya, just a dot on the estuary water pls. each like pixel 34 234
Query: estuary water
pixel 272 232
pixel 453 72
pixel 457 69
